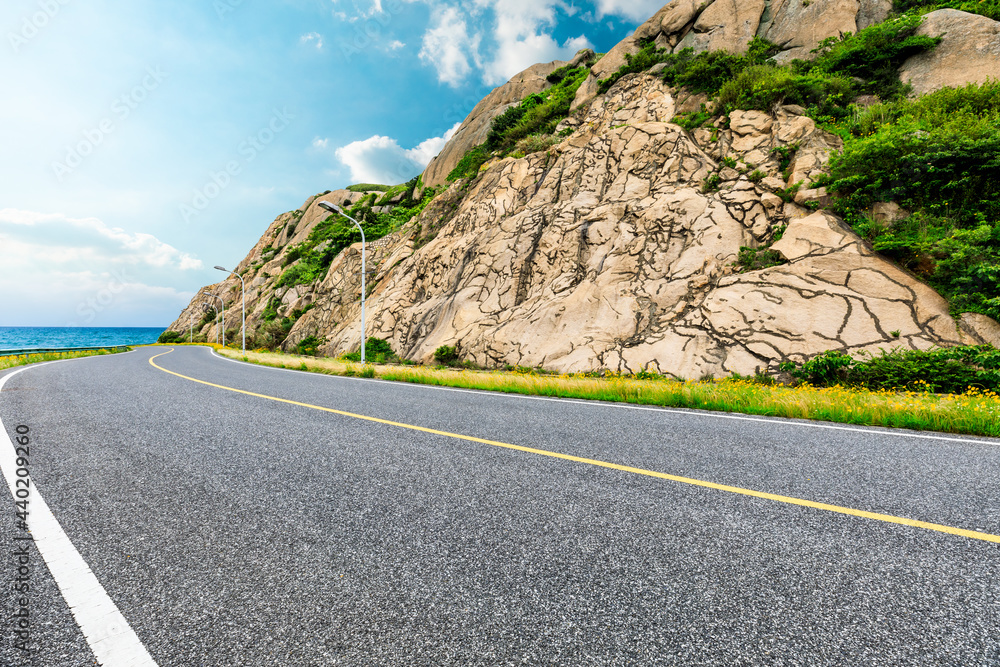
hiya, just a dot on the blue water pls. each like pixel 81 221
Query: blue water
pixel 16 338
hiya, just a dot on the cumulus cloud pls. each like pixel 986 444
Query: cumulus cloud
pixel 519 31
pixel 522 34
pixel 448 46
pixel 381 159
pixel 66 271
pixel 635 10
pixel 85 240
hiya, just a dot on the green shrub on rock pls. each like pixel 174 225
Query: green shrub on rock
pixel 168 337
pixel 952 370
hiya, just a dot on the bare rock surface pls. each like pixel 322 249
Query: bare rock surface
pixel 969 52
pixel 725 24
pixel 981 329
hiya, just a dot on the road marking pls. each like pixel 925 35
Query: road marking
pixel 706 414
pixel 887 518
pixel 109 635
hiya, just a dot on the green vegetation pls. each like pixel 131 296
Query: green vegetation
pixel 168 337
pixel 273 332
pixel 10 361
pixel 976 412
pixel 938 158
pixel 755 259
pixel 446 355
pixel 702 73
pixel 952 370
pixel 331 236
pixel 536 116
pixel 308 346
pixel 990 8
pixel 377 350
pixel 863 64
pixel 368 187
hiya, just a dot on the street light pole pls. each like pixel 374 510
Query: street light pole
pixel 212 305
pixel 216 296
pixel 243 283
pixel 336 209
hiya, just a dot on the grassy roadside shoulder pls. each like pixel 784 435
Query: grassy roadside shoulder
pixel 973 413
pixel 12 360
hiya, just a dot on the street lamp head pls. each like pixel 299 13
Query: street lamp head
pixel 222 269
pixel 333 208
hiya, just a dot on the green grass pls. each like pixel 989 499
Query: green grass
pixel 10 361
pixel 973 413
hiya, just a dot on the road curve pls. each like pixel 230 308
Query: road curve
pixel 363 522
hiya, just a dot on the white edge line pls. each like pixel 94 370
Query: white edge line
pixel 882 430
pixel 109 635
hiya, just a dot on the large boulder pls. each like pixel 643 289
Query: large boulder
pixel 969 52
pixel 726 24
pixel 798 27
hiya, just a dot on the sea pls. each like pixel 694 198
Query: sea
pixel 19 338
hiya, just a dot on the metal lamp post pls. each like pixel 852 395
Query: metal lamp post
pixel 216 296
pixel 243 283
pixel 208 305
pixel 333 208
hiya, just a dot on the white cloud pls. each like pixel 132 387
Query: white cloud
pixel 635 10
pixel 395 45
pixel 449 47
pixel 521 29
pixel 78 240
pixel 522 39
pixel 381 159
pixel 79 271
pixel 313 38
pixel 321 144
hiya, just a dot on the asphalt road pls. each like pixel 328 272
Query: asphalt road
pixel 231 529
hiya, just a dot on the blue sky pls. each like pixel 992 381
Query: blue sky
pixel 145 142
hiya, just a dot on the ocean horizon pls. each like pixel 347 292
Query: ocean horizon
pixel 20 338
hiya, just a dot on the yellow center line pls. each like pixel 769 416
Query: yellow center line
pixel 887 518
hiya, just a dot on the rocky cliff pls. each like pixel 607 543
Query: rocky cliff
pixel 620 246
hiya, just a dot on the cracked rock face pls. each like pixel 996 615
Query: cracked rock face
pixel 606 252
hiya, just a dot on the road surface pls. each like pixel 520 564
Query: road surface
pixel 360 522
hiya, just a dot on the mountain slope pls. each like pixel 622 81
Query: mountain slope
pixel 622 242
